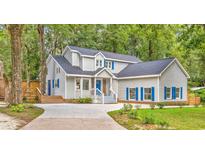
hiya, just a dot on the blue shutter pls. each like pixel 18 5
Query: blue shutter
pixel 53 83
pixel 58 82
pixel 181 92
pixel 127 93
pixel 173 97
pixel 141 93
pixel 113 65
pixel 165 93
pixel 153 94
pixel 136 93
pixel 104 62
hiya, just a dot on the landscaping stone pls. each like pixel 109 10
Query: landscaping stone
pixel 9 123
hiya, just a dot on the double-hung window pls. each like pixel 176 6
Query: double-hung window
pixel 108 64
pixel 168 93
pixel 147 93
pixel 132 93
pixel 77 84
pixel 85 84
pixel 177 93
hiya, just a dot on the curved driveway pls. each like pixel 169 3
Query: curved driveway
pixel 75 117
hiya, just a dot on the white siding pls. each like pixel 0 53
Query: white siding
pixel 68 55
pixel 133 83
pixel 53 75
pixel 50 74
pixel 70 87
pixel 115 85
pixel 75 59
pixel 88 64
pixel 173 77
pixel 104 74
pixel 118 66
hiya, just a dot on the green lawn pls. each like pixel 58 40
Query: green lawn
pixel 31 112
pixel 177 118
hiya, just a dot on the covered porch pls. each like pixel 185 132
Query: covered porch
pixel 99 87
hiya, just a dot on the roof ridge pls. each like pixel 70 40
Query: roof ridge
pixel 98 50
pixel 157 60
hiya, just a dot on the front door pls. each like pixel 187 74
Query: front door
pixel 49 87
pixel 104 86
pixel 98 84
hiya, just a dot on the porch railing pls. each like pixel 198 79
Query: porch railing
pixel 99 95
pixel 114 94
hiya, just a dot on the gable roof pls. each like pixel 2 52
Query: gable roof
pixel 109 55
pixel 145 68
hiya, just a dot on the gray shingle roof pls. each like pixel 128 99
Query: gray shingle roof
pixel 93 52
pixel 145 68
pixel 138 69
pixel 69 69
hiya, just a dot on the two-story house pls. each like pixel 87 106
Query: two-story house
pixel 108 77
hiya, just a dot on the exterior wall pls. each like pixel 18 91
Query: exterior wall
pixel 52 75
pixel 75 59
pixel 115 85
pixel 68 55
pixel 70 87
pixel 173 77
pixel 119 66
pixel 133 83
pixel 88 64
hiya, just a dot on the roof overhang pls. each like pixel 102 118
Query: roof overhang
pixel 137 77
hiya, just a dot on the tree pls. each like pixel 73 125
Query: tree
pixel 43 70
pixel 15 32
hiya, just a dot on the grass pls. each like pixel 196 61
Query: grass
pixel 31 112
pixel 178 118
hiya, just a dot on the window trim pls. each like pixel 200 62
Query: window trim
pixel 150 94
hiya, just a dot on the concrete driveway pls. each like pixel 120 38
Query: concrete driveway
pixel 75 117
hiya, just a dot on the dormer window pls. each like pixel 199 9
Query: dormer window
pixel 99 63
pixel 57 70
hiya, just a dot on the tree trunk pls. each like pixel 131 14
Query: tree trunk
pixel 15 38
pixel 27 68
pixel 43 70
pixel 150 50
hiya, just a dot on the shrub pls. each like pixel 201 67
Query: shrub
pixel 196 105
pixel 148 120
pixel 17 108
pixel 127 107
pixel 85 100
pixel 163 124
pixel 121 111
pixel 133 114
pixel 152 106
pixel 24 99
pixel 161 105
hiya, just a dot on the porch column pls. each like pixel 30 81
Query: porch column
pixel 94 88
pixel 111 83
pixel 81 87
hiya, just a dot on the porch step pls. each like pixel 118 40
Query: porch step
pixel 109 100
